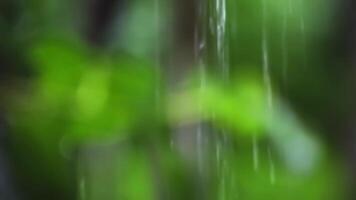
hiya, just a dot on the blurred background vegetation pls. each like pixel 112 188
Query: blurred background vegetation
pixel 189 99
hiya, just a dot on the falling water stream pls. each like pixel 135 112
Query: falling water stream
pixel 267 79
pixel 221 39
pixel 284 48
pixel 255 153
pixel 218 27
pixel 303 33
pixel 82 189
pixel 212 22
pixel 272 174
pixel 223 143
pixel 292 11
pixel 200 50
pixel 265 55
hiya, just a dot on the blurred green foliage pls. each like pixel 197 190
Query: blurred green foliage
pixel 94 94
pixel 80 96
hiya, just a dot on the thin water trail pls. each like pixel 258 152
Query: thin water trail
pixel 221 38
pixel 199 51
pixel 265 56
pixel 227 185
pixel 272 171
pixel 223 62
pixel 218 29
pixel 200 129
pixel 200 148
pixel 291 7
pixel 82 173
pixel 284 47
pixel 303 33
pixel 157 20
pixel 267 79
pixel 157 55
pixel 255 153
pixel 266 74
pixel 218 157
pixel 82 188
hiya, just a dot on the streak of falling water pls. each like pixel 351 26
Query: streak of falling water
pixel 302 32
pixel 290 7
pixel 200 147
pixel 200 129
pixel 218 26
pixel 255 152
pixel 221 39
pixel 200 47
pixel 284 42
pixel 157 53
pixel 82 189
pixel 157 59
pixel 267 79
pixel 265 56
pixel 272 172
